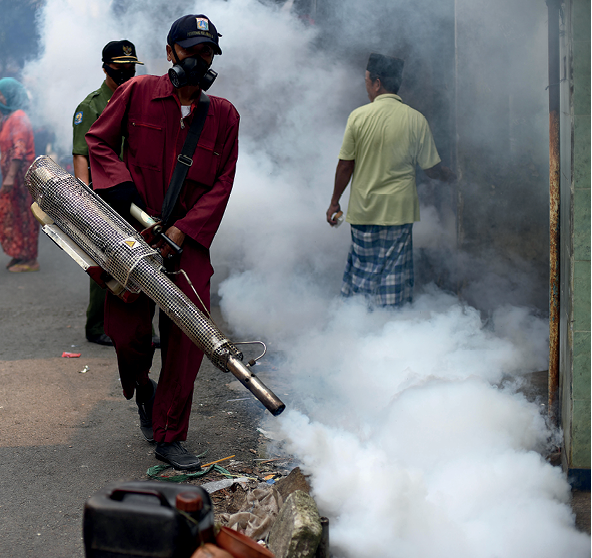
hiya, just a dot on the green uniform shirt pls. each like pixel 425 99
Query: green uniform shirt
pixel 386 139
pixel 86 114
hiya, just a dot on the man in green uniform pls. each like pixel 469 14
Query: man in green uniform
pixel 119 65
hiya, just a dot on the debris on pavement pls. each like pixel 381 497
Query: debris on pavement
pixel 71 355
pixel 297 530
pixel 261 507
pixel 218 460
pixel 213 487
pixel 167 473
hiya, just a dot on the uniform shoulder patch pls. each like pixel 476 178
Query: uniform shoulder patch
pixel 78 118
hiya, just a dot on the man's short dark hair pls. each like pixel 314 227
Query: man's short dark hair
pixel 391 83
pixel 386 68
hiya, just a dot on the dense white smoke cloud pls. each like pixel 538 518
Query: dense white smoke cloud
pixel 416 437
pixel 411 424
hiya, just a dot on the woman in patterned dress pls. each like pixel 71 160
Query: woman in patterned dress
pixel 19 231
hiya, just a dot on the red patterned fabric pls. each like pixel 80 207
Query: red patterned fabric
pixel 19 231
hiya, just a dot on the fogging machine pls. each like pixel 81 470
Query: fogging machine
pixel 116 256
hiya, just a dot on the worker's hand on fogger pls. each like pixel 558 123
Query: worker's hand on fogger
pixel 177 236
pixel 121 196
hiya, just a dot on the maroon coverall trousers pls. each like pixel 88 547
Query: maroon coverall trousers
pixel 130 327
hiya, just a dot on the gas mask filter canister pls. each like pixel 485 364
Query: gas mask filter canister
pixel 193 70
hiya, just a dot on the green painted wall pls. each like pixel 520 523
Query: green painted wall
pixel 575 234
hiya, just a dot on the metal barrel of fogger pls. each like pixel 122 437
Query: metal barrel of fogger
pixel 255 386
pixel 121 251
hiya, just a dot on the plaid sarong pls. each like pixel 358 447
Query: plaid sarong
pixel 380 264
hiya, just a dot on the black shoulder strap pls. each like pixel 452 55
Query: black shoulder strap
pixel 185 158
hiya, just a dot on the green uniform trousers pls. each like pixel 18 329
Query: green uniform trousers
pixel 95 311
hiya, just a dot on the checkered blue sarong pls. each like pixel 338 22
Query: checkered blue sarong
pixel 380 264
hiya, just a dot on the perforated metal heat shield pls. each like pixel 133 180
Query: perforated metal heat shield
pixel 121 251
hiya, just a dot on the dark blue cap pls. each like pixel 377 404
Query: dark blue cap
pixel 191 30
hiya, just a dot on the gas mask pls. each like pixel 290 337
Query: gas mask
pixel 191 71
pixel 120 76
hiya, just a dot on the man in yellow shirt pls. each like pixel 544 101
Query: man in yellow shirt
pixel 383 143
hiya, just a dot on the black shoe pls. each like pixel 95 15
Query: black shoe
pixel 156 341
pixel 176 455
pixel 102 339
pixel 145 412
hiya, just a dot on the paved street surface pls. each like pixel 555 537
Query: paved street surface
pixel 65 433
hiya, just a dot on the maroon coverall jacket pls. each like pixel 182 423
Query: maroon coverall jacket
pixel 146 111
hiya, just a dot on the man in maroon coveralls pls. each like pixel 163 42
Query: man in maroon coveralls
pixel 154 117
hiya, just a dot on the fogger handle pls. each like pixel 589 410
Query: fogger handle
pixel 141 216
pixel 150 223
pixel 271 402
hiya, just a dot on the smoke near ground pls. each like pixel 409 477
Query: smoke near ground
pixel 411 424
pixel 417 439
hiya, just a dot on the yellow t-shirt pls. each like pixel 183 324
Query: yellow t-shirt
pixel 386 139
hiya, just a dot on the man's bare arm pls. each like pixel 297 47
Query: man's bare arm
pixel 81 168
pixel 439 172
pixel 8 180
pixel 343 174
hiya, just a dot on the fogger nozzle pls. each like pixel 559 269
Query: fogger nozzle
pixel 255 386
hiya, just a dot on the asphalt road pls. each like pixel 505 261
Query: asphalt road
pixel 65 428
